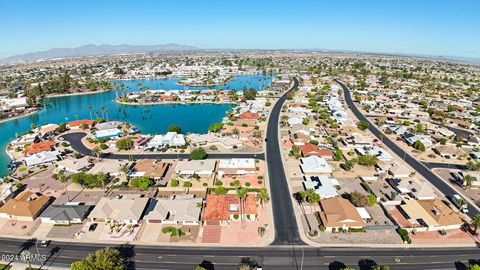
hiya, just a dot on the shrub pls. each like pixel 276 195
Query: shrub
pixel 175 128
pixel 368 160
pixel 372 200
pixel 213 147
pixel 103 146
pixel 218 183
pixel 142 182
pixel 220 190
pixel 174 183
pixel 235 216
pixel 187 184
pixel 363 125
pixel 64 144
pixel 215 127
pixel 247 184
pixel 124 144
pixel 334 230
pixel 198 153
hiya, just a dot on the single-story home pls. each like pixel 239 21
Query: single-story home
pixel 65 214
pixel 183 210
pixel 125 210
pixel 25 206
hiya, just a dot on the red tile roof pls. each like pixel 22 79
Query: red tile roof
pixel 39 147
pixel 249 115
pixel 78 123
pixel 313 150
pixel 217 207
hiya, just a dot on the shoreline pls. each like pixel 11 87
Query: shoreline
pixel 20 116
pixel 174 103
pixel 78 94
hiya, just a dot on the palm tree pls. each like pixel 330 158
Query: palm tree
pixel 235 132
pixel 242 195
pixel 103 111
pixel 263 196
pixel 90 107
pixel 26 256
pixel 96 115
pixel 62 178
pixel 96 151
pixel 476 222
pixel 106 113
pixel 462 203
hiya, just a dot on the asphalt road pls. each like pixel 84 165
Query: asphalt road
pixel 414 163
pixel 75 140
pixel 273 257
pixel 433 165
pixel 286 229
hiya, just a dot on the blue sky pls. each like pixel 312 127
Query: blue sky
pixel 438 27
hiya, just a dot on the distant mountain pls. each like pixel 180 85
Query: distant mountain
pixel 90 49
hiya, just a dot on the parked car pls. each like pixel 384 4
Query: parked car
pixel 45 243
pixel 456 200
pixel 456 176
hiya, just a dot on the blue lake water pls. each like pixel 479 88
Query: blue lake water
pixel 150 119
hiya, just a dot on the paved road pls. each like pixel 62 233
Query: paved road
pixel 75 140
pixel 414 163
pixel 286 229
pixel 433 165
pixel 272 257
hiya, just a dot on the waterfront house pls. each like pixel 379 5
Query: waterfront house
pixel 111 167
pixel 119 209
pixel 313 150
pixel 78 124
pixel 25 206
pixel 222 209
pixel 171 139
pixel 107 133
pixel 181 210
pixel 65 214
pixel 39 147
pixel 42 158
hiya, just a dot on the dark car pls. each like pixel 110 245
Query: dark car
pixel 92 227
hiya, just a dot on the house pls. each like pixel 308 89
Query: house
pixel 323 185
pixel 429 215
pixel 74 165
pixel 357 140
pixel 25 206
pixel 412 138
pixel 125 210
pixel 447 152
pixel 249 115
pixel 221 209
pixel 300 138
pixel 78 124
pixel 151 168
pixel 294 121
pixel 107 133
pixel 65 214
pixel 337 212
pixel 236 166
pixel 315 165
pixel 399 171
pixel 203 168
pixel 171 139
pixel 182 210
pixel 28 138
pixel 313 150
pixel 374 151
pixel 111 167
pixel 105 125
pixel 39 147
pixel 42 158
pixel 47 129
pixel 6 192
pixel 419 190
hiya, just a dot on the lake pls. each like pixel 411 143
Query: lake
pixel 150 119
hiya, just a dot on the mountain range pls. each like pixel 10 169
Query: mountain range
pixel 91 50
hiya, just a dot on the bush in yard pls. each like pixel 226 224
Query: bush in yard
pixel 142 182
pixel 124 144
pixel 218 183
pixel 187 184
pixel 367 160
pixel 363 125
pixel 235 216
pixel 103 146
pixel 220 190
pixel 174 183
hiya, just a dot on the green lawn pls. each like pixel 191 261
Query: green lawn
pixel 5 266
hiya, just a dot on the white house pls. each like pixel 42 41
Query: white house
pixel 315 165
pixel 169 139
